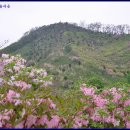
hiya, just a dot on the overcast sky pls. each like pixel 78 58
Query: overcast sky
pixel 22 16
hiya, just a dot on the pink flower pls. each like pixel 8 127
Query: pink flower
pixel 127 102
pixel 12 94
pixel 28 103
pixel 79 122
pixel 8 112
pixel 120 112
pixel 8 125
pixel 75 126
pixel 7 61
pixel 17 102
pixel 43 120
pixel 85 122
pixel 16 68
pixel 5 56
pixel 31 75
pixel 20 125
pixel 1 124
pixel 113 90
pixel 116 97
pixel 2 73
pixel 105 92
pixel 44 74
pixel 6 117
pixel 23 85
pixel 87 91
pixel 107 119
pixel 47 83
pixel 52 105
pixel 41 101
pixel 96 118
pixel 99 101
pixel 53 123
pixel 31 120
pixel 114 121
pixel 128 124
pixel 1 66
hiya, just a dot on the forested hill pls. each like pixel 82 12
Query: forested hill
pixel 72 53
pixel 59 33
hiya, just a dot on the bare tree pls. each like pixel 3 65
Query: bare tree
pixel 4 43
pixel 82 24
pixel 97 26
pixel 106 28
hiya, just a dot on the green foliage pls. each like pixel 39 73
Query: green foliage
pixel 95 81
pixel 68 49
pixel 62 60
pixel 27 95
pixel 111 106
pixel 127 108
pixel 57 43
pixel 128 78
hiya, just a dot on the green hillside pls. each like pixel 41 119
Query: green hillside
pixel 74 54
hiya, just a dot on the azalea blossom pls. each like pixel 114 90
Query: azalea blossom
pixel 116 97
pixel 31 75
pixel 79 122
pixel 12 94
pixel 5 56
pixel 16 68
pixel 52 105
pixel 87 91
pixel 42 120
pixel 99 101
pixel 47 83
pixel 44 74
pixel 127 124
pixel 96 118
pixel 31 120
pixel 54 122
pixel 20 125
pixel 127 102
pixel 23 85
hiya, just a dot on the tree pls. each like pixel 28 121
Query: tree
pixel 82 24
pixel 4 43
pixel 97 26
pixel 120 29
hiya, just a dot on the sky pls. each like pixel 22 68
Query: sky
pixel 22 16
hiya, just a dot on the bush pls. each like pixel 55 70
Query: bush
pixel 68 49
pixel 27 100
pixel 95 81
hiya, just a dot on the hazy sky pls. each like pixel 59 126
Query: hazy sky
pixel 22 16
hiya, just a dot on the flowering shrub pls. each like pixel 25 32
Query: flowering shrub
pixel 108 109
pixel 27 100
pixel 24 100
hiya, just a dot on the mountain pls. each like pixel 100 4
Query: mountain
pixel 74 54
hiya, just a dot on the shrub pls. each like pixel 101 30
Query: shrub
pixel 27 100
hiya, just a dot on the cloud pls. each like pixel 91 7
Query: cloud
pixel 22 16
